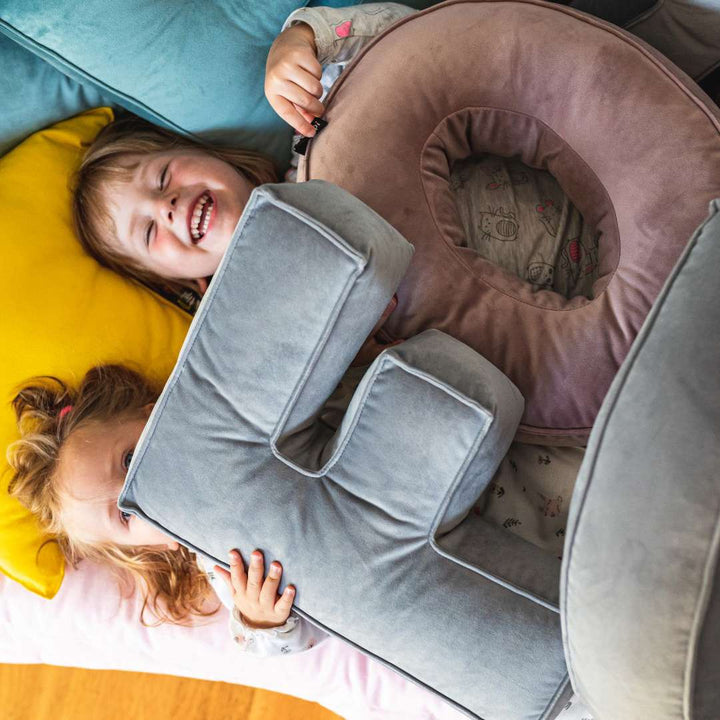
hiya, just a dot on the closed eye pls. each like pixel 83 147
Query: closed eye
pixel 126 460
pixel 148 231
pixel 163 176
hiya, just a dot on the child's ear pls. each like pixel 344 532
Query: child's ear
pixel 147 409
pixel 201 284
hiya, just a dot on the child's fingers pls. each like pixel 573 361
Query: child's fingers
pixel 308 116
pixel 307 82
pixel 389 309
pixel 310 63
pixel 285 601
pixel 225 575
pixel 291 116
pixel 255 574
pixel 299 96
pixel 268 594
pixel 386 314
pixel 237 571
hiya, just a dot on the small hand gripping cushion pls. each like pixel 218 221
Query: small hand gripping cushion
pixel 641 571
pixel 370 522
pixel 62 313
pixel 632 141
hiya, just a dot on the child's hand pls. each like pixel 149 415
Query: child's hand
pixel 292 78
pixel 258 602
pixel 371 348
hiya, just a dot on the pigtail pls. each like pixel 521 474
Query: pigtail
pixel 38 409
pixel 40 405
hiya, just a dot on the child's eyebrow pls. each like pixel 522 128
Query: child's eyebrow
pixel 131 229
pixel 141 177
pixel 144 170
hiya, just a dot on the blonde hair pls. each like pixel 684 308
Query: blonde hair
pixel 48 412
pixel 106 162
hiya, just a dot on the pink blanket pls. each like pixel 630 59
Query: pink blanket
pixel 89 625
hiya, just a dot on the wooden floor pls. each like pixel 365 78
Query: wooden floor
pixel 42 692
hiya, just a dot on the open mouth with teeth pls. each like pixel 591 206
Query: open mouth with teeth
pixel 200 216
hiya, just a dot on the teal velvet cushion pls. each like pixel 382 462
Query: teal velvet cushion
pixel 195 67
pixel 35 95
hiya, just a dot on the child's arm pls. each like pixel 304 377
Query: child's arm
pixel 261 621
pixel 311 38
pixel 340 33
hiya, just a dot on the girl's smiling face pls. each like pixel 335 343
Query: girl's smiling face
pixel 177 213
pixel 91 472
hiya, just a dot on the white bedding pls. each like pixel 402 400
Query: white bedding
pixel 88 625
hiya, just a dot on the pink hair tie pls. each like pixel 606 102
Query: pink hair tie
pixel 64 411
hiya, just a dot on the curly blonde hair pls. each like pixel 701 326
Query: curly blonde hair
pixel 106 161
pixel 48 412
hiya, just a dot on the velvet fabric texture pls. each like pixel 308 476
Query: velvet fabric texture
pixel 194 67
pixel 36 95
pixel 372 522
pixel 631 140
pixel 641 571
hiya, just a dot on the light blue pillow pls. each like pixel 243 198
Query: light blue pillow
pixel 195 67
pixel 35 94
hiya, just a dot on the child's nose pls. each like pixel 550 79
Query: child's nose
pixel 170 207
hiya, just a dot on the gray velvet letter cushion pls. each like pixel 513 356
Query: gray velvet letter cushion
pixel 371 523
pixel 641 571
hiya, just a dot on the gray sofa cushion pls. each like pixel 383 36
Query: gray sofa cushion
pixel 641 571
pixel 620 12
pixel 370 522
pixel 686 31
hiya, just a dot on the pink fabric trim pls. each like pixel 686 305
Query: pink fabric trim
pixel 89 625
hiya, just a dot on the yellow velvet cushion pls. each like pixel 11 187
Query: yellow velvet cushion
pixel 61 313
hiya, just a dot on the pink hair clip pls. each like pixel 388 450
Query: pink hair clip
pixel 64 411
